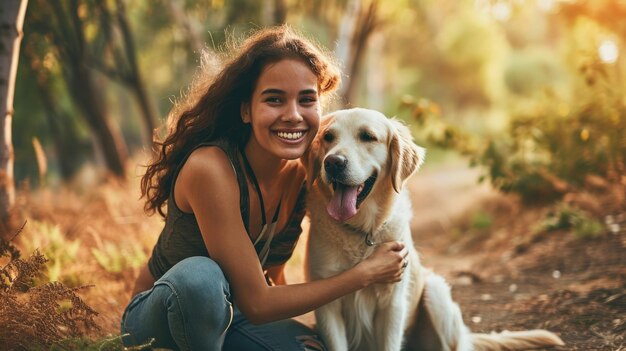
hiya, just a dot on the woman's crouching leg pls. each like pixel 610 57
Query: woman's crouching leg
pixel 189 308
pixel 284 335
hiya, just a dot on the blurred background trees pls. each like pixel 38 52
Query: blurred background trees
pixel 11 22
pixel 532 90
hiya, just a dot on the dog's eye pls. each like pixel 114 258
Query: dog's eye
pixel 329 137
pixel 365 136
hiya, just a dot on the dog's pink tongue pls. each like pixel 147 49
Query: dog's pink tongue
pixel 343 204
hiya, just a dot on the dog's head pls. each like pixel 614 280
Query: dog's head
pixel 359 152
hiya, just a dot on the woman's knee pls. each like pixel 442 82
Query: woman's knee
pixel 197 280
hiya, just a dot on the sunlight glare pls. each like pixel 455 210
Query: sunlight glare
pixel 608 51
pixel 501 11
pixel 545 5
pixel 482 6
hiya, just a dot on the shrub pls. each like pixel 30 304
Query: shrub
pixel 551 147
pixel 37 316
pixel 547 152
pixel 566 217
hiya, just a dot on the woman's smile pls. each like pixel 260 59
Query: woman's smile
pixel 291 137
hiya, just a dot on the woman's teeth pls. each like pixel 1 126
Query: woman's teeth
pixel 290 136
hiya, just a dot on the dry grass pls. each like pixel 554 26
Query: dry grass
pixel 37 316
pixel 91 235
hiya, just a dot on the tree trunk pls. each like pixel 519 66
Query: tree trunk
pixel 63 136
pixel 280 12
pixel 355 29
pixel 62 131
pixel 344 39
pixel 376 81
pixel 109 138
pixel 11 23
pixel 81 83
pixel 148 112
pixel 191 27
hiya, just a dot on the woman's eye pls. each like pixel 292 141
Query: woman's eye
pixel 365 136
pixel 273 100
pixel 328 137
pixel 308 100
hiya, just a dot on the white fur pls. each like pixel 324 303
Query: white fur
pixel 446 315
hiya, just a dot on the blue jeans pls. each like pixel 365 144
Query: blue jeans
pixel 190 308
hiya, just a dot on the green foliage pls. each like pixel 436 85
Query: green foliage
pixel 481 221
pixel 430 126
pixel 550 147
pixel 566 217
pixel 550 150
pixel 561 114
pixel 588 228
pixel 529 71
pixel 58 249
pixel 116 258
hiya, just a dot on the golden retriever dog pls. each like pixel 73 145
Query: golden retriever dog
pixel 357 167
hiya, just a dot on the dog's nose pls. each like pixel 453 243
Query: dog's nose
pixel 335 164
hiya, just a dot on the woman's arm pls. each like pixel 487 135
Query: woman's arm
pixel 277 274
pixel 209 187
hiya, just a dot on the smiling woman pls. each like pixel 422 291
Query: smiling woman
pixel 230 175
pixel 286 110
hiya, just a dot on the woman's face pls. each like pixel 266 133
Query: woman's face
pixel 284 110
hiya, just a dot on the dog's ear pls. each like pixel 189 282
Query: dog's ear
pixel 312 156
pixel 311 162
pixel 406 157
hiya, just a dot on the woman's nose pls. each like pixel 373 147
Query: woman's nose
pixel 292 113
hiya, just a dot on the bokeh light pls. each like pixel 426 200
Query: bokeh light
pixel 608 51
pixel 501 11
pixel 546 5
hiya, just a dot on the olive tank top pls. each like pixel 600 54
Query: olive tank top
pixel 181 237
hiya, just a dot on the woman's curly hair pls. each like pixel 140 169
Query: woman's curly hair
pixel 211 107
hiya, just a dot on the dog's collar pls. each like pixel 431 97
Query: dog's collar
pixel 366 234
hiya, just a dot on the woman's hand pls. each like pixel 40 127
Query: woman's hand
pixel 386 264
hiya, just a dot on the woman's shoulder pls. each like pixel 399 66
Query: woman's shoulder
pixel 207 163
pixel 207 170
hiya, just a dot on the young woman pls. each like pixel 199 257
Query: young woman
pixel 230 176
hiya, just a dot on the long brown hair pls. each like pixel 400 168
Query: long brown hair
pixel 212 108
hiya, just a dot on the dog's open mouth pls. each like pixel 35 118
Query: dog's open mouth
pixel 347 198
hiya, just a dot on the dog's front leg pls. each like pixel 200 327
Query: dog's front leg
pixel 331 326
pixel 390 323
